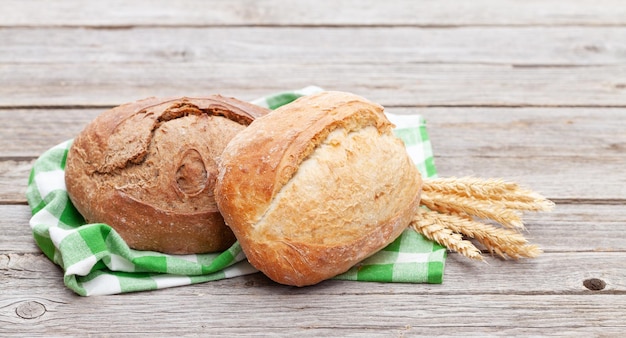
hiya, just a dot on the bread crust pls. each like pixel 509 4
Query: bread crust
pixel 148 170
pixel 261 168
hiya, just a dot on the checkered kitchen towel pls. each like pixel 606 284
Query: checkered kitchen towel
pixel 97 261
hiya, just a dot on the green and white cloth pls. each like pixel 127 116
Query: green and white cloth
pixel 97 261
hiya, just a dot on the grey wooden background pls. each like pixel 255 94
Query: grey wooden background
pixel 529 91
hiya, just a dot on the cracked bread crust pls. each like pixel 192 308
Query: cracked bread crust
pixel 148 170
pixel 316 186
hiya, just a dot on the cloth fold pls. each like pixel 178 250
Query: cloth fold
pixel 97 261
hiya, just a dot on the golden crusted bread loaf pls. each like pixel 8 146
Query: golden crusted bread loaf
pixel 148 170
pixel 316 186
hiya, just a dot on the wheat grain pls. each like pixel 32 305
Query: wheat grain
pixel 456 203
pixel 470 186
pixel 433 227
pixel 508 194
pixel 450 204
pixel 535 205
pixel 506 243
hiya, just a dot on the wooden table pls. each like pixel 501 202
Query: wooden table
pixel 529 91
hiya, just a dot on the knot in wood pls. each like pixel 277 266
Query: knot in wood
pixel 30 310
pixel 594 284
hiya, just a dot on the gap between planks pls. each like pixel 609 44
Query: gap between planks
pixel 399 106
pixel 314 26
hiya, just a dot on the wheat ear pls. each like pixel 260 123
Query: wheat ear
pixel 433 227
pixel 494 190
pixel 506 243
pixel 454 204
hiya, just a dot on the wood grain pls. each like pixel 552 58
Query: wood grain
pixel 551 273
pixel 391 84
pixel 29 132
pixel 551 298
pixel 305 313
pixel 405 66
pixel 519 46
pixel 569 228
pixel 557 177
pixel 15 234
pixel 376 309
pixel 466 131
pixel 530 91
pixel 319 13
pixel 523 145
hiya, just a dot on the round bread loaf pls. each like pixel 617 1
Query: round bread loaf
pixel 148 170
pixel 316 186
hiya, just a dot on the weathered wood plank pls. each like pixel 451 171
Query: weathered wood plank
pixel 509 295
pixel 529 143
pixel 422 56
pixel 558 177
pixel 561 178
pixel 311 315
pixel 15 234
pixel 550 273
pixel 14 180
pixel 525 132
pixel 323 12
pixel 568 228
pixel 525 145
pixel 249 304
pixel 549 46
pixel 33 276
pixel 104 84
pixel 505 132
pixel 26 133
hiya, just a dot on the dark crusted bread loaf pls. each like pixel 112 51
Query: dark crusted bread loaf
pixel 316 186
pixel 148 170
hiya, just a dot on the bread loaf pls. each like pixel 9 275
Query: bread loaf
pixel 316 186
pixel 148 170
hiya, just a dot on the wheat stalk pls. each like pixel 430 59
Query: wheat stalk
pixel 451 204
pixel 507 194
pixel 471 186
pixel 503 242
pixel 454 204
pixel 433 227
